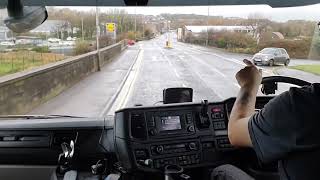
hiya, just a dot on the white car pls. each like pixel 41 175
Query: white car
pixel 7 43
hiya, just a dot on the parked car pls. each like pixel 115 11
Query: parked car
pixel 131 42
pixel 6 43
pixel 271 56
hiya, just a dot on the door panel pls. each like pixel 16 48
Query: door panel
pixel 277 57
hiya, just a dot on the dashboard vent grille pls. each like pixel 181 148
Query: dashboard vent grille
pixel 138 126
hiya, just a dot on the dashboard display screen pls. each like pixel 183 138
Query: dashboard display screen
pixel 170 123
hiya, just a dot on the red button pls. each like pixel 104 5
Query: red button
pixel 216 109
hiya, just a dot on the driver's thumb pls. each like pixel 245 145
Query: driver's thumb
pixel 247 62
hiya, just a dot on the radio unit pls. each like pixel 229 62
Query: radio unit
pixel 174 148
pixel 161 124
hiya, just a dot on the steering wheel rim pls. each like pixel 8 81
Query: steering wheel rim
pixel 284 79
pixel 270 83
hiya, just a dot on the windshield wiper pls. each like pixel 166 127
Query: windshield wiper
pixel 53 116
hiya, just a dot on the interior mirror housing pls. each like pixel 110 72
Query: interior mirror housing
pixel 177 95
pixel 24 18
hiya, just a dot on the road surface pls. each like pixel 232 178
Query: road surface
pixel 139 75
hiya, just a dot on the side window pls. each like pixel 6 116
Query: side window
pixel 283 52
pixel 277 52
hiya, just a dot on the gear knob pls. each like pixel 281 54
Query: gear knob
pixel 172 172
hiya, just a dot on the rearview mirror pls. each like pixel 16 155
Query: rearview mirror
pixel 177 95
pixel 24 18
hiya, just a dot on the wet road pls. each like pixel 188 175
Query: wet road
pixel 139 75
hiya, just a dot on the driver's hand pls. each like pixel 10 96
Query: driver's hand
pixel 249 77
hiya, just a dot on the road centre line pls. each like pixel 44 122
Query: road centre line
pixel 198 75
pixel 206 64
pixel 230 59
pixel 177 74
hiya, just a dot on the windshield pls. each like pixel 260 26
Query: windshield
pixel 267 51
pixel 92 61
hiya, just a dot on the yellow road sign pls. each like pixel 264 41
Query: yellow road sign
pixel 110 27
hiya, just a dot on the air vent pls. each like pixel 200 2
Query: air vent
pixel 138 126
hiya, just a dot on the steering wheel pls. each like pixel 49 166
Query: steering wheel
pixel 270 83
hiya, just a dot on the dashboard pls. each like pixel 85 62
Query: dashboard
pixel 191 135
pixel 188 134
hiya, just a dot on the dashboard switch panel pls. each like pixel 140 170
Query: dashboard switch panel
pixel 186 134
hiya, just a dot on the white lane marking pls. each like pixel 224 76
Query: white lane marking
pixel 181 56
pixel 177 74
pixel 154 58
pixel 127 89
pixel 199 75
pixel 170 63
pixel 207 65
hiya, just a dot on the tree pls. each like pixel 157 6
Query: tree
pixel 259 23
pixel 147 33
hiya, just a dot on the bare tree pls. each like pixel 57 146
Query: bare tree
pixel 259 24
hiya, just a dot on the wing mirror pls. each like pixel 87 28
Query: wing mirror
pixel 24 18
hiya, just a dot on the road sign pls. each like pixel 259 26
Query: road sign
pixel 110 27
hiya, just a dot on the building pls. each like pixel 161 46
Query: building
pixel 5 33
pixel 53 26
pixel 3 15
pixel 199 29
pixel 277 35
pixel 269 36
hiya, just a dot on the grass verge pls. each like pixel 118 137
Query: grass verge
pixel 18 61
pixel 313 68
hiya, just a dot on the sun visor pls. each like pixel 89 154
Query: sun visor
pixel 272 3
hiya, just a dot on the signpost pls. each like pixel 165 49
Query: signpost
pixel 111 30
pixel 110 27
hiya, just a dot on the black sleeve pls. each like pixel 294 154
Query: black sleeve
pixel 272 130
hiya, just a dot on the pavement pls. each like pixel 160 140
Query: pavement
pixel 147 68
pixel 90 96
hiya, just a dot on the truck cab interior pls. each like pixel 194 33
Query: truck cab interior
pixel 179 139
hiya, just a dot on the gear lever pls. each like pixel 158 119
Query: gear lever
pixel 65 157
pixel 175 172
pixel 204 118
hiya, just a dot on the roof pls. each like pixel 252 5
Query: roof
pixel 49 26
pixel 272 3
pixel 279 34
pixel 4 29
pixel 198 29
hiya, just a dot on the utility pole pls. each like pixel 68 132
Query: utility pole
pixel 82 28
pixel 135 24
pixel 207 39
pixel 97 37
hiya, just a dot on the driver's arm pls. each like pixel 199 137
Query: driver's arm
pixel 249 79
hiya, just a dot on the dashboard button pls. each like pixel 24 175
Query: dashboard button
pixel 190 128
pixel 192 146
pixel 159 149
pixel 152 132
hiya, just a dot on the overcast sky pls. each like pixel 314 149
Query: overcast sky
pixel 311 12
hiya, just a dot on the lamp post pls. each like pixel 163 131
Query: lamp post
pixel 97 37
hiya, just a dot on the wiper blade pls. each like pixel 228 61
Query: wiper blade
pixel 53 116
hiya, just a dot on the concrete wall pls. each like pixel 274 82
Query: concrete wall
pixel 21 92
